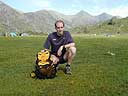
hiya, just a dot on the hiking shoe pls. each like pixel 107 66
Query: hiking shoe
pixel 68 70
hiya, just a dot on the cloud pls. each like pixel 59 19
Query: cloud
pixel 41 3
pixel 35 5
pixel 70 7
pixel 29 5
pixel 119 11
pixel 70 11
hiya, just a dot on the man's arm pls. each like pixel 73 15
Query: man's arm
pixel 69 45
pixel 65 46
pixel 47 43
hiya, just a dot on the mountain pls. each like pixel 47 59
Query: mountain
pixel 42 21
pixel 83 18
pixel 104 17
pixel 11 19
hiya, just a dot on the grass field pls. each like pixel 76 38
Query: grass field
pixel 95 72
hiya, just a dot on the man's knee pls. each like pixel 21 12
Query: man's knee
pixel 72 50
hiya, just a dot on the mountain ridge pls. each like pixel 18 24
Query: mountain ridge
pixel 42 21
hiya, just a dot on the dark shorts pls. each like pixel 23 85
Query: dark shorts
pixel 61 60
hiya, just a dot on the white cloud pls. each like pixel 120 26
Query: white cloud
pixel 41 3
pixel 119 11
pixel 70 11
pixel 94 7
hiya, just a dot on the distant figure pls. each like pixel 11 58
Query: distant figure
pixel 62 46
pixel 118 32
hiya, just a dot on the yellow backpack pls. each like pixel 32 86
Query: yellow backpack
pixel 44 67
pixel 44 57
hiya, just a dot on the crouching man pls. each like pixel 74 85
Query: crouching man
pixel 61 45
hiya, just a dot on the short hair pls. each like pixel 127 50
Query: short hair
pixel 59 21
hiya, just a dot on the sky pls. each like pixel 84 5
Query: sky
pixel 71 7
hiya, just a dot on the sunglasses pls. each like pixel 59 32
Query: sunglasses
pixel 59 27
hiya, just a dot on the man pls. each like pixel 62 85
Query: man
pixel 62 46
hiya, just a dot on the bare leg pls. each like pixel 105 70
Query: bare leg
pixel 70 54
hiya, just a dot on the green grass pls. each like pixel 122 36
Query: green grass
pixel 95 73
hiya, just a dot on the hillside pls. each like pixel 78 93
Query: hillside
pixel 12 20
pixel 112 26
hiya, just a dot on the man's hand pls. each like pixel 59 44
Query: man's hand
pixel 54 59
pixel 60 50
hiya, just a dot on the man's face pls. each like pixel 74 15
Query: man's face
pixel 59 28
